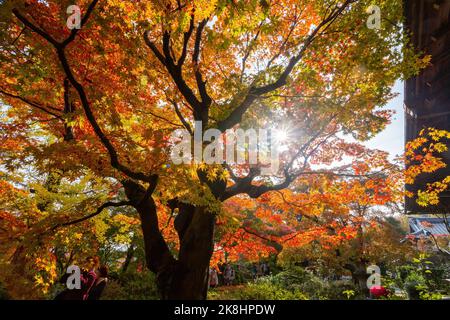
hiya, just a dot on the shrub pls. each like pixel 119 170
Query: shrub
pixel 131 286
pixel 296 284
pixel 313 287
pixel 422 279
pixel 267 289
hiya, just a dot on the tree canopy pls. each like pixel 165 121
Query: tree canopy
pixel 88 114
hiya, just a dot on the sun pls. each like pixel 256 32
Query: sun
pixel 281 135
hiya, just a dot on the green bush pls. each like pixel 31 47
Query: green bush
pixel 313 287
pixel 338 290
pixel 422 279
pixel 292 284
pixel 131 286
pixel 415 282
pixel 266 289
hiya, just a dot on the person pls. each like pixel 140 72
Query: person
pixel 259 271
pixel 229 275
pixel 254 271
pixel 264 269
pixel 213 278
pixel 68 294
pixel 87 280
pixel 100 284
pixel 88 277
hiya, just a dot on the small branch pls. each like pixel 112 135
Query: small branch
pixel 186 37
pixel 254 92
pixel 206 99
pixel 97 212
pixel 83 22
pixel 441 250
pixel 60 50
pixel 249 50
pixel 180 116
pixel 174 71
pixel 36 29
pixel 155 50
pixel 33 104
pixel 258 235
pixel 312 218
pixel 150 189
pixel 17 38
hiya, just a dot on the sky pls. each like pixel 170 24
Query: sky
pixel 393 137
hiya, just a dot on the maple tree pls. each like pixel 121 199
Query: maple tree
pixel 101 102
pixel 423 157
pixel 341 221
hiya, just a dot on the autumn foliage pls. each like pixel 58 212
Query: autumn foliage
pixel 87 116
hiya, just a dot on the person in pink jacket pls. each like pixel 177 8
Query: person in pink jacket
pixel 88 278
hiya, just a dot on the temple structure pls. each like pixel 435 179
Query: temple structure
pixel 427 96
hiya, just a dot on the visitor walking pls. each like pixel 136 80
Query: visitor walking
pixel 229 275
pixel 213 278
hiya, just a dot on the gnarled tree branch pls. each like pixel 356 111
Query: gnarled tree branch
pixel 96 213
pixel 254 92
pixel 60 50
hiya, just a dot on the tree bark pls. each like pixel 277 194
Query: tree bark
pixel 359 276
pixel 196 247
pixel 158 258
pixel 128 258
pixel 187 277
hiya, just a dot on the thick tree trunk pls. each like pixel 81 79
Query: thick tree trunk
pixel 196 247
pixel 158 258
pixel 187 277
pixel 360 276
